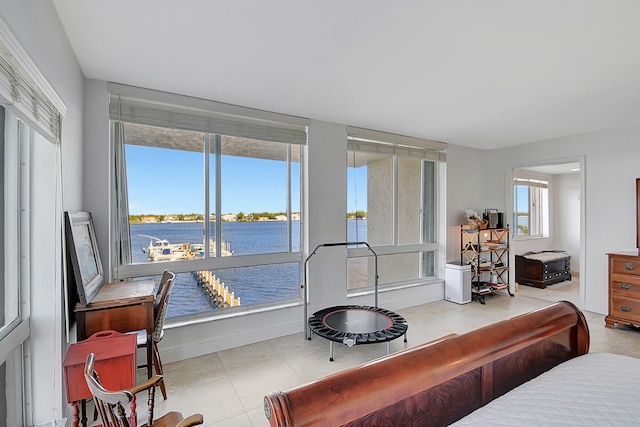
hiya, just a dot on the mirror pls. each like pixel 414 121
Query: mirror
pixel 82 249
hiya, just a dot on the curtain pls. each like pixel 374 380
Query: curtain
pixel 120 195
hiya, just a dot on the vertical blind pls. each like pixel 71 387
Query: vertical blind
pixel 524 178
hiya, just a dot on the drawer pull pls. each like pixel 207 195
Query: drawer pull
pixel 625 286
pixel 625 308
pixel 629 266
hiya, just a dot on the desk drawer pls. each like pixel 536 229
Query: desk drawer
pixel 625 266
pixel 625 308
pixel 125 318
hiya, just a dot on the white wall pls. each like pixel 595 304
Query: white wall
pixel 567 216
pixel 97 173
pixel 466 189
pixel 611 166
pixel 326 207
pixel 36 26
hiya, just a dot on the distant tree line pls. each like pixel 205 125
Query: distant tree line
pixel 193 217
pixel 357 215
pixel 239 217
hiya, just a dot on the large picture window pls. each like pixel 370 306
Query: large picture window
pixel 221 207
pixel 392 205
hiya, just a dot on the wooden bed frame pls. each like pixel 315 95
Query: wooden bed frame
pixel 439 382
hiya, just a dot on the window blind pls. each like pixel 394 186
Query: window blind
pixel 373 141
pixel 530 179
pixel 24 87
pixel 155 108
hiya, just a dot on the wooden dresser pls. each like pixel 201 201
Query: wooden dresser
pixel 624 289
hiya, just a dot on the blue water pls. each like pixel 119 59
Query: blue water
pixel 253 285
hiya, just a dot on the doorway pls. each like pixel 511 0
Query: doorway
pixel 563 227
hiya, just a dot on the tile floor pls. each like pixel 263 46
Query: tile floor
pixel 228 387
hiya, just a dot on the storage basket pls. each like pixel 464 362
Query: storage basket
pixel 478 224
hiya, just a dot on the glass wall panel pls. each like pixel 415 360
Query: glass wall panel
pixel 10 230
pixel 165 183
pixel 242 198
pixel 204 292
pixel 14 330
pixel 392 205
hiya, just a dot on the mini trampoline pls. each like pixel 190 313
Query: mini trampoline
pixel 354 324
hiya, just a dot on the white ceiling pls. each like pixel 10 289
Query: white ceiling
pixel 484 74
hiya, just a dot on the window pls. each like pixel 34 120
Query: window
pixel 222 203
pixel 392 205
pixel 531 204
pixel 28 98
pixel 14 329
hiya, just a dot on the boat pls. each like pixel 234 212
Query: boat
pixel 163 250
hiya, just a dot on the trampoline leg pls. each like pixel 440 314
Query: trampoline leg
pixel 330 351
pixel 405 337
pixel 388 347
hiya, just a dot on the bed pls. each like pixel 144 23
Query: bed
pixel 541 269
pixel 515 372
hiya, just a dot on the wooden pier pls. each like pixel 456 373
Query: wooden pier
pixel 216 290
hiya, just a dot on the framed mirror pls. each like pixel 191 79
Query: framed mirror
pixel 82 249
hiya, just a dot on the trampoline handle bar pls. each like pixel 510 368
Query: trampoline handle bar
pixel 304 280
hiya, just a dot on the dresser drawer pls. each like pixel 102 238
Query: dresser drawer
pixel 625 266
pixel 625 308
pixel 625 285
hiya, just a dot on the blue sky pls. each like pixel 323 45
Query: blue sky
pixel 162 181
pixel 522 198
pixel 357 189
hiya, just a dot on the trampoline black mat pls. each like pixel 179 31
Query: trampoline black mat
pixel 362 324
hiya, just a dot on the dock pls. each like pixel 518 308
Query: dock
pixel 216 290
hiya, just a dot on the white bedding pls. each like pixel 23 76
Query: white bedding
pixel 597 389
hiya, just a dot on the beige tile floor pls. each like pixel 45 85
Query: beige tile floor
pixel 228 387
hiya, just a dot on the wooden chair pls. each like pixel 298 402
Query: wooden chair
pixel 110 404
pixel 160 304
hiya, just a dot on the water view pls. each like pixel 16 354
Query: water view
pixel 253 285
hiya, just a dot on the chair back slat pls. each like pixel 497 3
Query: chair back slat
pixel 166 285
pixel 108 403
pixel 167 277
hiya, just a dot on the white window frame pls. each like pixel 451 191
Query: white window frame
pixel 14 336
pixel 153 108
pixel 538 208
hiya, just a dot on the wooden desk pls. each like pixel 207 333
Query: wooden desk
pixel 115 360
pixel 120 306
